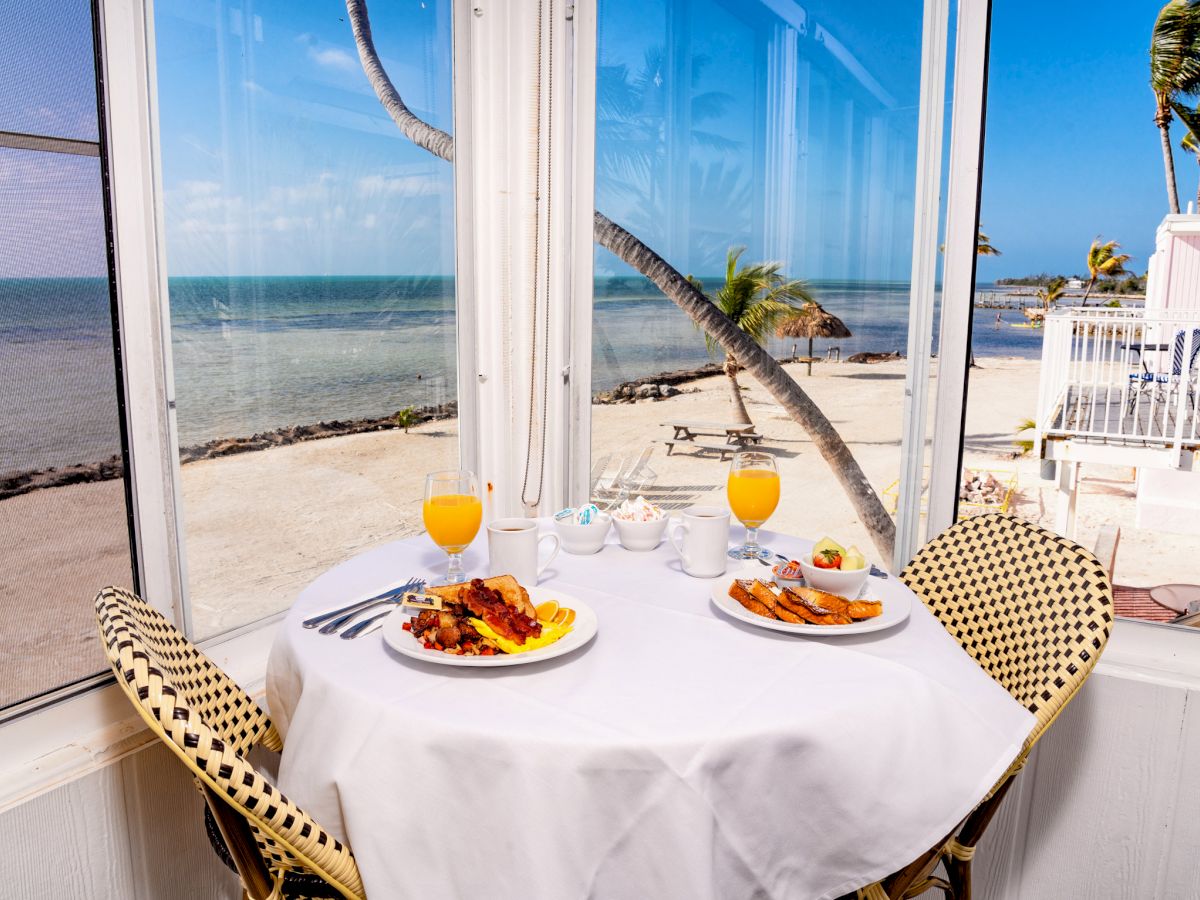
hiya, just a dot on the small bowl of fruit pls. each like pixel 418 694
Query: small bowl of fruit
pixel 835 569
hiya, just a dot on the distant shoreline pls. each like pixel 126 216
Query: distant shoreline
pixel 19 483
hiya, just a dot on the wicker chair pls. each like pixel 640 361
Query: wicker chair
pixel 1035 611
pixel 210 724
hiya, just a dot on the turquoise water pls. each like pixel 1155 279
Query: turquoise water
pixel 252 354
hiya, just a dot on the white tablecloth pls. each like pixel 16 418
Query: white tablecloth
pixel 682 754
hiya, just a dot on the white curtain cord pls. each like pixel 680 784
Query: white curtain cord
pixel 540 343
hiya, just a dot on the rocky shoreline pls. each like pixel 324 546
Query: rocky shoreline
pixel 17 483
pixel 650 387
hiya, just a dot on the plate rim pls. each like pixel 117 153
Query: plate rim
pixel 719 597
pixel 587 623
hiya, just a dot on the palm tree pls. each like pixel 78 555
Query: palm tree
pixel 750 356
pixel 1050 294
pixel 984 247
pixel 1191 141
pixel 1104 262
pixel 756 298
pixel 1174 71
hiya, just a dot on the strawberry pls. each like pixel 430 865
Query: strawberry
pixel 828 559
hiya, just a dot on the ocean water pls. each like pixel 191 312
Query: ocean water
pixel 252 354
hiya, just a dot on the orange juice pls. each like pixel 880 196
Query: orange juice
pixel 753 495
pixel 452 520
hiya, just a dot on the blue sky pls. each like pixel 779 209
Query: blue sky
pixel 1072 151
pixel 277 159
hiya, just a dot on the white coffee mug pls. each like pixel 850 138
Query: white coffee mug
pixel 701 538
pixel 513 549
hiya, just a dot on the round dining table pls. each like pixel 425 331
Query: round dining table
pixel 681 753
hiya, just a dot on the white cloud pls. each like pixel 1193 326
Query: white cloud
pixel 404 186
pixel 333 58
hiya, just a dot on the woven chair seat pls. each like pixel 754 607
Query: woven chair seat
pixel 1034 610
pixel 210 723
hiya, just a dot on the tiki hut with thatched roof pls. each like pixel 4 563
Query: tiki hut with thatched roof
pixel 812 321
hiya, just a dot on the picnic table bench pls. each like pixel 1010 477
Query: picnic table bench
pixel 736 433
pixel 704 446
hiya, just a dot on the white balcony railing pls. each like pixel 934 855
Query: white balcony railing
pixel 1121 377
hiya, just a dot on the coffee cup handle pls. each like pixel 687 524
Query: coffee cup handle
pixel 677 541
pixel 553 553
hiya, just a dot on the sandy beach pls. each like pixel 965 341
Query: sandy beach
pixel 261 525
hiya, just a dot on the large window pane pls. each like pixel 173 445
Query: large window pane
pixel 46 69
pixel 310 249
pixel 63 514
pixel 790 131
pixel 1107 370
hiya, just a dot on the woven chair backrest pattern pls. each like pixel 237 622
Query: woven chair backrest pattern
pixel 209 722
pixel 1032 608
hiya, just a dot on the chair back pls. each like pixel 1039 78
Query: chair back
pixel 209 722
pixel 1032 608
pixel 1182 341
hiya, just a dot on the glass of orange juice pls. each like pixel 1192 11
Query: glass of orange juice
pixel 753 495
pixel 452 515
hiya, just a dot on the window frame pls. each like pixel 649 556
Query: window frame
pixel 82 727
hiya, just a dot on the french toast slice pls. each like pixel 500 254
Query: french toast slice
pixel 865 609
pixel 806 604
pixel 742 590
pixel 766 594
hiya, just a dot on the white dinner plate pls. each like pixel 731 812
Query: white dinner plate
pixel 896 607
pixel 581 632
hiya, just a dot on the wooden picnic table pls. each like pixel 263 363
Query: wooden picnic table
pixel 733 432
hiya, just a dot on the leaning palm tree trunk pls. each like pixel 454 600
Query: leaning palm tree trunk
pixel 740 413
pixel 629 249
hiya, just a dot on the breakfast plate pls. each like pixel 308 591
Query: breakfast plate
pixel 583 630
pixel 896 607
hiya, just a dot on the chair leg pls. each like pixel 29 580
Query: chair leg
pixel 958 872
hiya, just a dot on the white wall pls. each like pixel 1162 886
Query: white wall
pixel 133 830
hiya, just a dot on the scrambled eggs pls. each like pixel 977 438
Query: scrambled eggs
pixel 551 632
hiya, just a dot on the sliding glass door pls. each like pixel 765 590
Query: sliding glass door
pixel 731 135
pixel 310 254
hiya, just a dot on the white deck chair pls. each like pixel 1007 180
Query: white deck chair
pixel 609 483
pixel 598 468
pixel 640 476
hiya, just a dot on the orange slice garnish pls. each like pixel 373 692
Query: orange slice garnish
pixel 547 611
pixel 565 616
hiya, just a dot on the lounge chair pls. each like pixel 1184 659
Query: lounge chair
pixel 640 476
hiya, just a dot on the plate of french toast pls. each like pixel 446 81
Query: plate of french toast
pixel 489 622
pixel 800 609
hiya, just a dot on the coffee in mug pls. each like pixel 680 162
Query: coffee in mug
pixel 513 549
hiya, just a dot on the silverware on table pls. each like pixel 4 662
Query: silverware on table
pixel 366 626
pixel 394 597
pixel 361 604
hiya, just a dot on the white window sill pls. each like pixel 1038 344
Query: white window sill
pixel 67 740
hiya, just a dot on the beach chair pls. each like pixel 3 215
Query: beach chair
pixel 608 486
pixel 640 476
pixel 598 468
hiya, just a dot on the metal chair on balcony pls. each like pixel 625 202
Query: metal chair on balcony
pixel 1034 610
pixel 210 723
pixel 1164 384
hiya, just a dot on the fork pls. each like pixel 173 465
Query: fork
pixel 358 629
pixel 393 597
pixel 360 605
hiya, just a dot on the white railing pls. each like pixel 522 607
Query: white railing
pixel 1124 377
